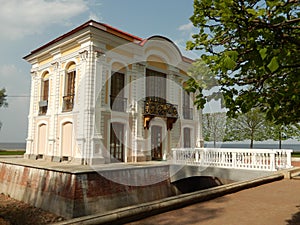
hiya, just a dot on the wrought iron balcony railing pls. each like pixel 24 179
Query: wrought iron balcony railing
pixel 155 106
pixel 68 103
pixel 43 106
pixel 118 104
pixel 187 113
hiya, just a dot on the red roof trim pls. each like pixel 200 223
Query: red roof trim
pixel 92 23
pixel 89 23
pixel 120 31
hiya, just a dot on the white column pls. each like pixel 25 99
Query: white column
pixel 97 136
pixel 52 108
pixel 138 94
pixel 31 125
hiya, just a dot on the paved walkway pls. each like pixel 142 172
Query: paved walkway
pixel 275 203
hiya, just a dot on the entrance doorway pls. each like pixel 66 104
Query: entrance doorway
pixel 117 142
pixel 156 142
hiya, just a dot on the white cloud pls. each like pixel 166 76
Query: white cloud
pixel 94 16
pixel 21 18
pixel 14 118
pixel 14 80
pixel 186 27
pixel 181 43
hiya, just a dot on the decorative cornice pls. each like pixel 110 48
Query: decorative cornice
pixel 55 65
pixel 84 55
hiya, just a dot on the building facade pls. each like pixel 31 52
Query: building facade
pixel 101 95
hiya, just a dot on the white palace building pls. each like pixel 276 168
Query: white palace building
pixel 101 95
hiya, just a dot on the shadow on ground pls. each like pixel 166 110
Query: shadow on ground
pixel 188 215
pixel 295 218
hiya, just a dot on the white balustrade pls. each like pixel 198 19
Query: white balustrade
pixel 251 159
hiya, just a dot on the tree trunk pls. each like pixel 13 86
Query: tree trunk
pixel 252 138
pixel 251 143
pixel 280 140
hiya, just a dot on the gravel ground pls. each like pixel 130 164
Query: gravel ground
pixel 13 212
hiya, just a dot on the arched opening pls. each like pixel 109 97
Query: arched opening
pixel 42 140
pixel 117 138
pixel 156 142
pixel 67 139
pixel 195 183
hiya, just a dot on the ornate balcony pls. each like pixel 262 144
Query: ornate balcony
pixel 157 107
pixel 118 104
pixel 68 103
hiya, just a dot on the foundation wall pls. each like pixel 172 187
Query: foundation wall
pixel 77 194
pixel 71 192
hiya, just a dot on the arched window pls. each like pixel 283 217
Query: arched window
pixel 69 94
pixel 43 104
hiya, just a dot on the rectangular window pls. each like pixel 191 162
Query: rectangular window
pixel 43 104
pixel 70 88
pixel 156 87
pixel 117 100
pixel 187 111
pixel 186 137
pixel 68 99
pixel 46 90
pixel 117 142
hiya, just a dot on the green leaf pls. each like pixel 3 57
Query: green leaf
pixel 251 11
pixel 273 65
pixel 229 63
pixel 263 53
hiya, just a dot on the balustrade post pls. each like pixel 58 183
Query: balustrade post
pixel 253 160
pixel 202 156
pixel 288 158
pixel 272 161
pixel 196 155
pixel 174 156
pixel 234 163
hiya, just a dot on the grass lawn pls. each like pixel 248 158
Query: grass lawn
pixel 296 154
pixel 12 152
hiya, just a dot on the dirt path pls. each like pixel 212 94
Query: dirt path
pixel 20 213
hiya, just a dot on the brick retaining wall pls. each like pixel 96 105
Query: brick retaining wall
pixel 77 194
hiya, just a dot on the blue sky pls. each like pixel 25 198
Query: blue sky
pixel 28 24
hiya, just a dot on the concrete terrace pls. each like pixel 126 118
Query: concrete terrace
pixel 176 172
pixel 69 167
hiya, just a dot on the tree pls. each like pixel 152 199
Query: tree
pixel 213 126
pixel 251 125
pixel 284 132
pixel 3 101
pixel 253 49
